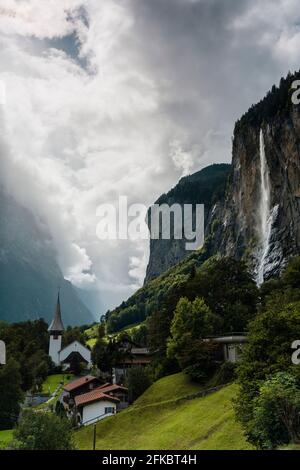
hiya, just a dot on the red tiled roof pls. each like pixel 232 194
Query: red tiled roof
pixel 104 385
pixel 111 388
pixel 94 395
pixel 142 360
pixel 79 382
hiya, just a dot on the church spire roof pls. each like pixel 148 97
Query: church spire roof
pixel 57 324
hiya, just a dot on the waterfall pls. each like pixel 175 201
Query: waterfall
pixel 266 214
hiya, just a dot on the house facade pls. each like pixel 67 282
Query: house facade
pixel 88 400
pixel 116 391
pixel 132 355
pixel 230 346
pixel 94 406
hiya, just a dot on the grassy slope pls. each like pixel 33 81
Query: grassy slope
pixel 53 381
pixel 170 387
pixel 91 333
pixel 153 423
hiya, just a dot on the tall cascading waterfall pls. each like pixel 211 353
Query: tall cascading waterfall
pixel 266 214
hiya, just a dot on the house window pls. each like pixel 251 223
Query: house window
pixel 109 410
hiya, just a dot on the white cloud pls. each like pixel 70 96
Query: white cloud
pixel 182 159
pixel 155 72
pixel 37 18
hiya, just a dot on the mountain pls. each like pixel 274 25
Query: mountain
pixel 257 219
pixel 29 273
pixel 204 187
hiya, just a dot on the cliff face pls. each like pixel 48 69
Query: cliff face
pixel 264 245
pixel 29 273
pixel 258 219
pixel 204 187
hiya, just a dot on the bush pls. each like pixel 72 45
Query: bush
pixel 224 375
pixel 42 431
pixel 276 416
pixel 267 352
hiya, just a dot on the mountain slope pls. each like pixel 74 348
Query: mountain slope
pixel 200 423
pixel 204 187
pixel 29 273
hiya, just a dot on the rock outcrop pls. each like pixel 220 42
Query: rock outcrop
pixel 239 232
pixel 258 219
pixel 204 187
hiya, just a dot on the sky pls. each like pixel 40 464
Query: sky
pixel 109 98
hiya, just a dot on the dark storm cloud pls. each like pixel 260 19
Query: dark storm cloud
pixel 209 71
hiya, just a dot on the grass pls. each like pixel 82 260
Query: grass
pixel 156 421
pixel 91 342
pixel 53 381
pixel 92 332
pixel 291 447
pixel 5 437
pixel 169 388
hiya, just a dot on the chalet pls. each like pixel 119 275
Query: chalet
pixel 116 391
pixel 94 406
pixel 132 355
pixel 75 351
pixel 88 400
pixel 80 386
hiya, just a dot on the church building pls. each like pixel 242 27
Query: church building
pixel 65 356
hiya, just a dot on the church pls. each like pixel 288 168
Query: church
pixel 65 356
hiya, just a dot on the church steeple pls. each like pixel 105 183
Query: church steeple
pixel 57 324
pixel 55 329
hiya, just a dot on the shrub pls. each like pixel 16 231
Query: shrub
pixel 42 431
pixel 276 415
pixel 137 381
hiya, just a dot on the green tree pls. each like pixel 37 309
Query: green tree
pixel 100 355
pixel 284 290
pixel 140 335
pixel 73 334
pixel 192 323
pixel 137 381
pixel 228 290
pixel 267 352
pixel 28 344
pixel 42 431
pixel 60 410
pixel 106 354
pixel 11 394
pixel 276 415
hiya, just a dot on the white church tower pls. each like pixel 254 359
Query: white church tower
pixel 55 329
